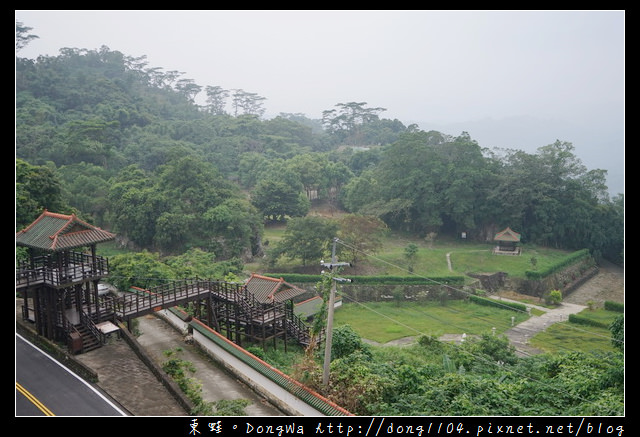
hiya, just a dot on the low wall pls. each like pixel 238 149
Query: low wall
pixel 288 395
pixel 566 280
pixel 171 386
pixel 390 292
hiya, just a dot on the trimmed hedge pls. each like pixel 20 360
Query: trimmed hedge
pixel 614 306
pixel 373 280
pixel 515 306
pixel 569 260
pixel 582 320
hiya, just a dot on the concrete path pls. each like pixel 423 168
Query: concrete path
pixel 157 336
pixel 520 334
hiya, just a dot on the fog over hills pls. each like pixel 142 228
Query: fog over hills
pixel 529 133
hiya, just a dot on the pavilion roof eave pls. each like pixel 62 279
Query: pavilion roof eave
pixel 507 235
pixel 52 232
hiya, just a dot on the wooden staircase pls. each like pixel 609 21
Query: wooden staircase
pixel 89 340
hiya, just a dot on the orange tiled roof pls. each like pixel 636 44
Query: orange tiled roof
pixel 268 290
pixel 56 232
pixel 507 235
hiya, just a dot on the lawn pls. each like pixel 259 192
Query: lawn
pixel 431 258
pixel 568 336
pixel 385 321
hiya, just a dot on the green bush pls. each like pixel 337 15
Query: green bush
pixel 498 303
pixel 582 320
pixel 614 306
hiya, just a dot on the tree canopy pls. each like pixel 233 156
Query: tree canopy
pixel 125 145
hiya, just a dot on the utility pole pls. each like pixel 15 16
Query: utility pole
pixel 332 298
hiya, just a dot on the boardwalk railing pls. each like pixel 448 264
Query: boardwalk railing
pixel 160 297
pixel 141 301
pixel 46 270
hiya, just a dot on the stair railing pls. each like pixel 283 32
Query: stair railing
pixel 88 323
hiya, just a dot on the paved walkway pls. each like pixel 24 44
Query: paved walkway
pixel 158 336
pixel 520 334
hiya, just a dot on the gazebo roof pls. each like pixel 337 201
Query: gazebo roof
pixel 507 235
pixel 269 290
pixel 57 232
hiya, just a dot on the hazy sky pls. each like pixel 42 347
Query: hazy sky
pixel 515 79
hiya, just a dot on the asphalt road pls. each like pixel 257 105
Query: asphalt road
pixel 44 387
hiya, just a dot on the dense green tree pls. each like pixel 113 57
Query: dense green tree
pixel 307 239
pixel 617 332
pixel 110 110
pixel 347 122
pixel 37 188
pixel 138 269
pixel 310 170
pixel 276 200
pixel 235 228
pixel 135 205
pixel 362 235
pixel 345 341
pixel 251 168
pixel 196 263
pixel 411 179
pixel 85 187
pixel 293 132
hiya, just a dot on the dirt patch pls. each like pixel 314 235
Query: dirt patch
pixel 607 285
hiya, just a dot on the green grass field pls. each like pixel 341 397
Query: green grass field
pixel 431 258
pixel 386 321
pixel 567 336
pixel 383 322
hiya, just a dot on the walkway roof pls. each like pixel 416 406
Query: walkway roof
pixel 269 290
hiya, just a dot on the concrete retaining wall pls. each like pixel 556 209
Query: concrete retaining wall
pixel 282 399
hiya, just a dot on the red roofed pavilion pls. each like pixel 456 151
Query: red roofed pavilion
pixel 508 241
pixel 59 280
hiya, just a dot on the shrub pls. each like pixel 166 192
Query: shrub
pixel 614 306
pixel 553 297
pixel 498 303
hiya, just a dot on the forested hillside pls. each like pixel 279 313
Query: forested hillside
pixel 125 146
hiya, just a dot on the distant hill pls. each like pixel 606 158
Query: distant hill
pixel 528 133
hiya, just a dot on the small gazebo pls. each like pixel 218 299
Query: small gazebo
pixel 508 242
